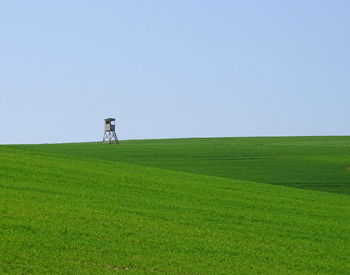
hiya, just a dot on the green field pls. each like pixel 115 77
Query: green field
pixel 180 206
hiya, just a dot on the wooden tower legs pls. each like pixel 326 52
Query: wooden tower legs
pixel 110 137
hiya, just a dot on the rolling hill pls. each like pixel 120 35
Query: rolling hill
pixel 182 206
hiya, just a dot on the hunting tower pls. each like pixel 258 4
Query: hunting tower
pixel 110 135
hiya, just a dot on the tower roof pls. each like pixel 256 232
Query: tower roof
pixel 109 119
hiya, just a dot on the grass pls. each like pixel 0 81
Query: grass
pixel 187 206
pixel 317 163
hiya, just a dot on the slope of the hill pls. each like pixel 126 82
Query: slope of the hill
pixel 318 163
pixel 64 215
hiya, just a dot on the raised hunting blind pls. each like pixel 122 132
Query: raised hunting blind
pixel 110 135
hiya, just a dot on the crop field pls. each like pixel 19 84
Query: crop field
pixel 177 206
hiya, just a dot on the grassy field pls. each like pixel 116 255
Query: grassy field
pixel 318 163
pixel 183 206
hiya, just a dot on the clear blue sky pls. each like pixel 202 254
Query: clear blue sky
pixel 174 68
